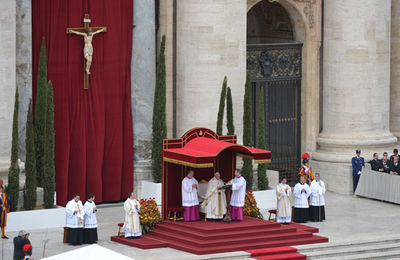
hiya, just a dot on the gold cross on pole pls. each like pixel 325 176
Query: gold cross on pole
pixel 87 32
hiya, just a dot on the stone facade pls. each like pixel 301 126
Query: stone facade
pixel 394 69
pixel 7 77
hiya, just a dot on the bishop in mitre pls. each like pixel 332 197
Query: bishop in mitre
pixel 283 210
pixel 190 200
pixel 215 198
pixel 132 222
pixel 75 216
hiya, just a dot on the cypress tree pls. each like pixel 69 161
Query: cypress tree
pixel 247 169
pixel 30 163
pixel 220 117
pixel 13 172
pixel 159 117
pixel 229 113
pixel 262 180
pixel 40 112
pixel 48 158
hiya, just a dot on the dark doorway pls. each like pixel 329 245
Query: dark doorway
pixel 274 64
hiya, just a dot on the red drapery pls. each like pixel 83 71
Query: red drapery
pixel 93 128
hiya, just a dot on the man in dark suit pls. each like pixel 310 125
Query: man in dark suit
pixel 385 163
pixel 395 153
pixel 376 164
pixel 395 166
pixel 357 162
pixel 19 242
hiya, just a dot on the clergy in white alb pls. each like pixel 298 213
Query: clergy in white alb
pixel 75 215
pixel 132 222
pixel 301 193
pixel 90 221
pixel 317 200
pixel 215 199
pixel 238 196
pixel 190 199
pixel 283 209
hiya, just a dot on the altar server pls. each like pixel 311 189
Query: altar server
pixel 90 221
pixel 132 221
pixel 238 196
pixel 301 193
pixel 283 210
pixel 190 200
pixel 215 199
pixel 317 201
pixel 4 208
pixel 75 216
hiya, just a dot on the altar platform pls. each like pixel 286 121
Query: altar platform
pixel 217 237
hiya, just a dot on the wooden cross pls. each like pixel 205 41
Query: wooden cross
pixel 87 32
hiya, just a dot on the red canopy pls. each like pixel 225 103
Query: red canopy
pixel 201 152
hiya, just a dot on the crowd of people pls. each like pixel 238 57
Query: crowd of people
pixel 388 165
pixel 308 195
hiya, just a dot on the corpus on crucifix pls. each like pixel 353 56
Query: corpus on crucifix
pixel 87 32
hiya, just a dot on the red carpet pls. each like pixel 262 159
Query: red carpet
pixel 215 237
pixel 275 253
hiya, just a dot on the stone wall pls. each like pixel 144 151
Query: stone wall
pixel 7 76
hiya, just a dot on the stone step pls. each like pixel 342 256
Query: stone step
pixel 351 251
pixel 392 254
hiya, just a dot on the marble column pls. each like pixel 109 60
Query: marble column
pixel 395 69
pixel 143 68
pixel 23 66
pixel 7 78
pixel 211 43
pixel 356 87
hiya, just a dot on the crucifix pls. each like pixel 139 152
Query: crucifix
pixel 87 32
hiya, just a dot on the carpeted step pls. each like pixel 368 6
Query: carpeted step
pixel 224 234
pixel 141 242
pixel 272 251
pixel 176 236
pixel 189 247
pixel 304 227
pixel 288 256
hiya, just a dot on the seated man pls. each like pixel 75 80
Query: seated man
pixel 385 163
pixel 215 199
pixel 376 164
pixel 395 166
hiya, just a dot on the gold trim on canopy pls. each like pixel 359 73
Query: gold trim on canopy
pixel 193 165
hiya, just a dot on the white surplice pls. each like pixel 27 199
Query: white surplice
pixel 301 198
pixel 238 192
pixel 215 199
pixel 317 193
pixel 90 220
pixel 284 210
pixel 132 222
pixel 189 194
pixel 74 220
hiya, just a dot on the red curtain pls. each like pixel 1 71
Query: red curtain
pixel 93 128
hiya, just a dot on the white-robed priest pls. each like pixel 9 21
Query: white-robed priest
pixel 283 210
pixel 90 221
pixel 301 193
pixel 317 201
pixel 215 199
pixel 190 199
pixel 75 216
pixel 238 196
pixel 132 222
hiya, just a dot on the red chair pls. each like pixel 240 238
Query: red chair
pixel 120 233
pixel 272 211
pixel 176 212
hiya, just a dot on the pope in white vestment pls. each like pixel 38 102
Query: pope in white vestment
pixel 317 200
pixel 190 199
pixel 238 196
pixel 215 199
pixel 283 210
pixel 301 193
pixel 75 215
pixel 90 221
pixel 132 222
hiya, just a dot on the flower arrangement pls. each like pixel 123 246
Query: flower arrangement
pixel 149 214
pixel 250 206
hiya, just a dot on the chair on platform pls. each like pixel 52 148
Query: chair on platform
pixel 120 233
pixel 272 212
pixel 175 214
